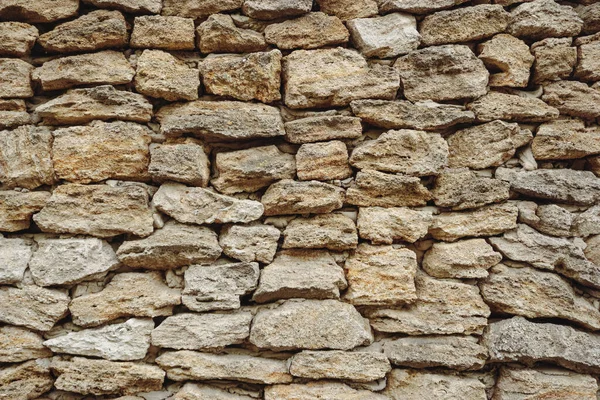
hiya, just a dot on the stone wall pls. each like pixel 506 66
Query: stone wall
pixel 281 200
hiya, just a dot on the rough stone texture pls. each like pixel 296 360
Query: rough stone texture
pixel 323 161
pixel 565 139
pixel 359 366
pixel 385 37
pixel 461 189
pixel 573 98
pixel 550 219
pixel 219 34
pixel 588 51
pixel 425 74
pixel 17 38
pixel 324 390
pixel 181 160
pixel 327 231
pixel 130 6
pixel 554 59
pixel 424 385
pixel 38 11
pixel 163 32
pixel 292 197
pixel 28 380
pixel 159 74
pixel 590 15
pixel 32 306
pixel 14 259
pixel 272 9
pixel 509 55
pixel 544 18
pixel 322 128
pixel 348 9
pixel 508 107
pixel 467 259
pixel 311 31
pixel 418 6
pixel 13 113
pixel 199 8
pixel 19 344
pixel 373 188
pixel 250 242
pixel 193 391
pixel 384 225
pixel 16 208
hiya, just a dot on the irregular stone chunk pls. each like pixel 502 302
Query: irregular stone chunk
pixel 93 31
pixel 565 139
pixel 250 242
pixel 183 365
pixel 550 219
pixel 32 306
pixel 380 275
pixel 13 113
pixel 587 223
pixel 310 274
pixel 17 38
pixel 348 9
pixel 159 74
pixel 219 34
pixel 385 37
pixel 417 6
pixel 590 15
pixel 456 352
pixel 201 206
pixel 130 6
pixel 334 77
pixel 329 231
pixel 425 115
pixel 15 78
pixel 518 340
pixel 425 74
pixel 310 324
pixel 573 98
pixel 14 258
pixel 462 188
pixel 463 24
pixel 554 59
pixel 509 55
pixel 125 341
pixel 323 161
pixel 25 381
pixel 384 225
pixel 199 8
pixel 406 383
pixel 373 188
pixel 508 107
pixel 180 160
pixel 16 208
pixel 221 120
pixel 466 259
pixel 322 128
pixel 321 390
pixel 165 33
pixel 26 157
pixel 202 331
pixel 293 197
pixel 97 210
pixel 193 391
pixel 588 51
pixel 544 18
pixel 104 67
pixel 359 366
pixel 127 294
pixel 19 344
pixel 80 106
pixel 485 221
pixel 98 377
pixel 546 382
pixel 404 151
pixel 252 169
pixel 442 307
pixel 39 11
pixel 218 287
pixel 272 9
pixel 310 31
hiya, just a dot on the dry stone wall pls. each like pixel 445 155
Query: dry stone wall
pixel 299 200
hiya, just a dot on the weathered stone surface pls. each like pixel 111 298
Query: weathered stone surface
pixel 485 221
pixel 16 208
pixel 359 366
pixel 193 391
pixel 348 9
pixel 250 242
pixel 175 245
pixel 32 306
pixel 405 151
pixel 310 31
pixel 509 107
pixel 461 188
pixel 96 30
pixel 127 294
pixel 373 188
pixel 97 210
pixel 202 331
pixel 425 74
pixel 13 113
pixel 398 114
pixel 384 225
pixel 39 11
pixel 201 206
pixel 323 161
pixel 125 341
pixel 163 32
pixel 559 185
pixel 17 38
pixel 510 55
pixel 293 197
pixel 130 6
pixel 334 77
pixel 380 275
pixel 219 287
pixel 385 37
pixel 79 106
pixel 221 120
pixel 590 14
pixel 417 6
pixel 28 380
pixel 272 9
pixel 26 157
pixel 406 383
pixel 544 382
pixel 463 24
pixel 456 352
pixel 324 390
pixel 588 51
pixel 550 219
pixel 587 223
pixel 565 139
pixel 19 344
pixel 442 307
pixel 465 259
pixel 104 67
pixel 199 8
pixel 252 169
pixel 183 365
pixel 219 34
pixel 321 128
pixel 100 151
pixel 544 18
pixel 310 274
pixel 554 59
pixel 15 254
pixel 159 74
pixel 519 340
pixel 181 160
pixel 98 377
pixel 255 76
pixel 573 98
pixel 15 78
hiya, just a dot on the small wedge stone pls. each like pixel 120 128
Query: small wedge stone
pixel 326 231
pixel 250 242
pixel 466 259
pixel 161 75
pixel 358 366
pixel 384 225
pixel 163 32
pixel 310 197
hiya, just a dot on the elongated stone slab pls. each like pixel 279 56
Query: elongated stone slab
pixel 319 390
pixel 424 385
pixel 359 366
pixel 292 197
pixel 325 231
